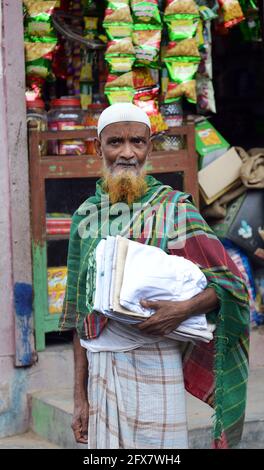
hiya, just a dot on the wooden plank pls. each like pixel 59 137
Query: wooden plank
pixel 40 302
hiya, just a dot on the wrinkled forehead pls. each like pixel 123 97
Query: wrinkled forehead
pixel 125 129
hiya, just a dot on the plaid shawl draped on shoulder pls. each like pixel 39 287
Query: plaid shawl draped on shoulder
pixel 216 372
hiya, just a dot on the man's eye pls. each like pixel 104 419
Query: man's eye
pixel 138 140
pixel 115 142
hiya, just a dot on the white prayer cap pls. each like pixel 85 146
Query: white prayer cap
pixel 121 112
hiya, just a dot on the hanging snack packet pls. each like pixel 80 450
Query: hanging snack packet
pixel 120 46
pixel 142 78
pixel 120 63
pixel 90 27
pixel 181 27
pixel 146 39
pixel 146 99
pixel 119 95
pixel 174 7
pixel 120 81
pixel 231 12
pixel 185 48
pixel 39 58
pixel 146 11
pixel 39 19
pixel 177 90
pixel 118 30
pixel 117 12
pixel 205 95
pixel 182 73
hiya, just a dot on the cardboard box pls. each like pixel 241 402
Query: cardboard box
pixel 220 176
pixel 209 143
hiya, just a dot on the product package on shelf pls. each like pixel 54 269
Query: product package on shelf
pixel 57 279
pixel 210 144
pixel 220 176
pixel 57 223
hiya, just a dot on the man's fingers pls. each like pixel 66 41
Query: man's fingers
pixel 80 434
pixel 150 304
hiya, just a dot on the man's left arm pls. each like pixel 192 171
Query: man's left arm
pixel 169 314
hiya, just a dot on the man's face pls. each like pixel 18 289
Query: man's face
pixel 124 146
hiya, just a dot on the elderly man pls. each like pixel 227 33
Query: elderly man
pixel 130 381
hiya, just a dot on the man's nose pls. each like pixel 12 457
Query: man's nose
pixel 127 151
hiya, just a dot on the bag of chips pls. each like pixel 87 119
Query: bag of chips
pixel 174 7
pixel 205 95
pixel 146 11
pixel 120 46
pixel 117 12
pixel 39 58
pixel 146 99
pixel 119 95
pixel 181 27
pixel 185 48
pixel 118 30
pixel 142 78
pixel 177 90
pixel 146 39
pixel 120 63
pixel 90 27
pixel 231 13
pixel 39 19
pixel 181 70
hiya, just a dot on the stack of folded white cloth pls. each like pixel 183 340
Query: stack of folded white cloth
pixel 128 272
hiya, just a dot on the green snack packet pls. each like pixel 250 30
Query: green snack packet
pixel 146 12
pixel 118 30
pixel 181 69
pixel 120 95
pixel 181 27
pixel 209 142
pixel 120 63
pixel 146 40
pixel 39 18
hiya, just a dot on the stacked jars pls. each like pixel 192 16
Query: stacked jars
pixel 65 115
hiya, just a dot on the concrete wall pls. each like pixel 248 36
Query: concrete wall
pixel 16 334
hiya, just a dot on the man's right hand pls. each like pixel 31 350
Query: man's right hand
pixel 80 421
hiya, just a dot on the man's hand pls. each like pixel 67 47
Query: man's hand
pixel 81 405
pixel 168 315
pixel 80 421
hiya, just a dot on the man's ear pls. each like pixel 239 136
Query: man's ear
pixel 98 147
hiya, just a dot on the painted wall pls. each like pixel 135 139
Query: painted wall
pixel 16 333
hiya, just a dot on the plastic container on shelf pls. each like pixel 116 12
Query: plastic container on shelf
pixel 37 118
pixel 91 120
pixel 66 114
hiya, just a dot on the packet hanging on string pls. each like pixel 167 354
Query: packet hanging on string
pixel 118 30
pixel 39 58
pixel 183 74
pixel 90 27
pixel 185 48
pixel 142 78
pixel 205 95
pixel 120 63
pixel 120 95
pixel 120 46
pixel 39 19
pixel 181 70
pixel 176 90
pixel 117 12
pixel 231 13
pixel 146 12
pixel 147 100
pixel 174 7
pixel 147 39
pixel 181 27
pixel 120 81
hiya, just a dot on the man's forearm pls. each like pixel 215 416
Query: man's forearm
pixel 204 302
pixel 80 369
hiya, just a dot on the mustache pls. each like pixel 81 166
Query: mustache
pixel 124 161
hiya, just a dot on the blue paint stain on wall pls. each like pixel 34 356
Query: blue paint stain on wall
pixel 23 296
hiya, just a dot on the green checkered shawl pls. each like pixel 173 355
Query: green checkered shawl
pixel 216 372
